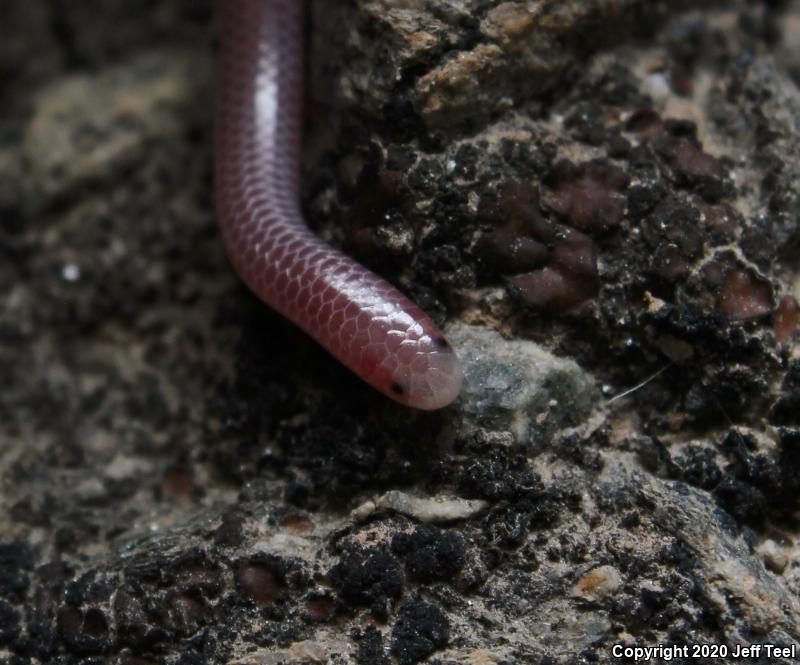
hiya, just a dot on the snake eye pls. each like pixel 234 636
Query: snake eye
pixel 397 389
pixel 441 343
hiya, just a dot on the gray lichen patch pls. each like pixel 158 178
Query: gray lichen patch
pixel 519 386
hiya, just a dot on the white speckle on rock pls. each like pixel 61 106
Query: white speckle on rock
pixel 773 555
pixel 123 467
pixel 425 509
pixel 657 85
pixel 70 272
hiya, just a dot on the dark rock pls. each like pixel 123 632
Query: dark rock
pixel 420 630
pixel 430 554
pixel 370 648
pixel 372 579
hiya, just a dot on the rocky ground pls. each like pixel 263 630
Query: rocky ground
pixel 598 199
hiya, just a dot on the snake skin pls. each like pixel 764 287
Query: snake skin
pixel 362 320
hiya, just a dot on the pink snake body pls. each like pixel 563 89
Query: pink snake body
pixel 362 320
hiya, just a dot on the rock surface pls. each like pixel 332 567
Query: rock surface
pixel 598 198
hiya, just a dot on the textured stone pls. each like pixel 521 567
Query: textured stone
pixel 184 478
